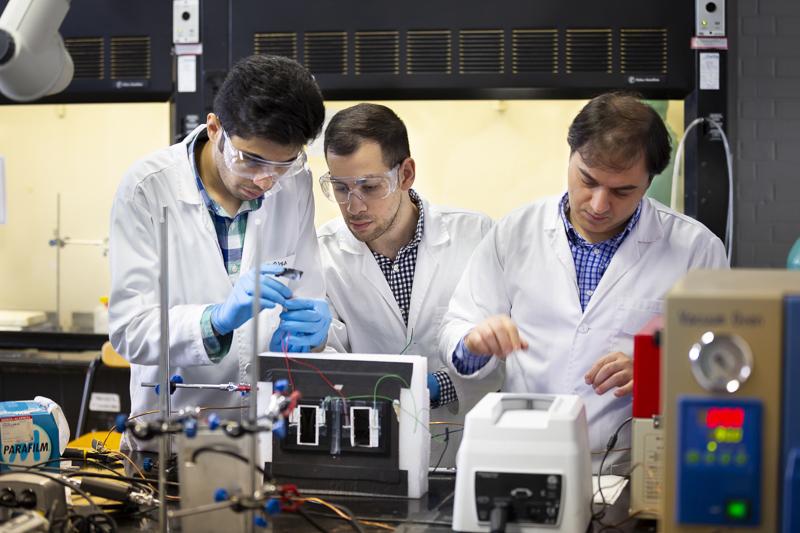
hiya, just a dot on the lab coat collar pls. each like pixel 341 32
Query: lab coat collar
pixel 187 187
pixel 434 232
pixel 648 229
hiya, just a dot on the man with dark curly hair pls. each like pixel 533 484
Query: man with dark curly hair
pixel 239 178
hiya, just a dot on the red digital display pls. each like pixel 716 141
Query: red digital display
pixel 729 417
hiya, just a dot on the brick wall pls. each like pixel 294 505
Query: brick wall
pixel 765 104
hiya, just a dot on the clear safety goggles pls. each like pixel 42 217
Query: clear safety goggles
pixel 365 188
pixel 251 167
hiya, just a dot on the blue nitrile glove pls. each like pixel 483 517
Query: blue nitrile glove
pixel 238 308
pixel 283 339
pixel 433 388
pixel 306 321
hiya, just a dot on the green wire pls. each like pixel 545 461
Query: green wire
pixel 391 400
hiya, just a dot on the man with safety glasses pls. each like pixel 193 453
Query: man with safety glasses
pixel 239 178
pixel 392 260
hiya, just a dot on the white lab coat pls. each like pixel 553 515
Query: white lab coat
pixel 367 318
pixel 197 275
pixel 525 269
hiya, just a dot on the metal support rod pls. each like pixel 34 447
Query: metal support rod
pixel 252 412
pixel 164 373
pixel 58 262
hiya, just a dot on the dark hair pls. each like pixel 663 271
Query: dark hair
pixel 272 98
pixel 614 129
pixel 350 127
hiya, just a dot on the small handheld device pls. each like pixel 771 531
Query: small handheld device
pixel 291 273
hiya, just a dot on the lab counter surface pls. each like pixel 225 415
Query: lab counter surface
pixel 432 512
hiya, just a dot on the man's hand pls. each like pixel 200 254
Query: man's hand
pixel 497 335
pixel 238 307
pixel 612 370
pixel 303 327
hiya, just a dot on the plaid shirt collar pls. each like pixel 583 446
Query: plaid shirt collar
pixel 575 238
pixel 214 207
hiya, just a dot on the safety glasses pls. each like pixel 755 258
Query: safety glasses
pixel 251 167
pixel 365 188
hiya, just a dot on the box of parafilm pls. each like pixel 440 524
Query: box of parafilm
pixel 28 434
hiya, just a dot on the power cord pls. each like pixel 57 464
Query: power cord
pixel 612 441
pixel 498 518
pixel 728 160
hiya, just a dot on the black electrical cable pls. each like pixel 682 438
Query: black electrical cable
pixel 612 441
pixel 223 451
pixel 446 444
pixel 84 461
pixel 316 525
pixel 352 519
pixel 498 518
pixel 146 483
pixel 452 431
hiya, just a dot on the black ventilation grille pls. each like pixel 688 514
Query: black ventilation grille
pixel 276 44
pixel 429 52
pixel 481 52
pixel 377 52
pixel 588 50
pixel 643 51
pixel 130 58
pixel 88 56
pixel 326 52
pixel 534 51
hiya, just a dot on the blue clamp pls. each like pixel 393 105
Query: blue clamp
pixel 173 384
pixel 119 422
pixel 221 495
pixel 273 506
pixel 190 428
pixel 213 421
pixel 147 464
pixel 281 385
pixel 260 521
pixel 279 429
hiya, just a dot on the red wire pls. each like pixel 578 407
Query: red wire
pixel 286 358
pixel 285 348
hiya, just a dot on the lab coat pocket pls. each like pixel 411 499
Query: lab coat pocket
pixel 631 316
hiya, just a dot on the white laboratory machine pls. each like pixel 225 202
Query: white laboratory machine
pixel 524 459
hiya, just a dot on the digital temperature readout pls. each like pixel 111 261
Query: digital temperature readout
pixel 728 417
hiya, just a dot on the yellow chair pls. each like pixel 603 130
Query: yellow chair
pixel 105 395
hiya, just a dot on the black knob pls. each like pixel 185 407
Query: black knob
pixel 7 47
pixel 27 499
pixel 186 15
pixel 711 7
pixel 8 498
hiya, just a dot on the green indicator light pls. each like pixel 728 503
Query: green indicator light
pixel 709 458
pixel 711 446
pixel 725 459
pixel 737 509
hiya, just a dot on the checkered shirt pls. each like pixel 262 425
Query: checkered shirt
pixel 592 259
pixel 399 275
pixel 230 236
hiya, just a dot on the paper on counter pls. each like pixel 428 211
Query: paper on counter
pixel 612 488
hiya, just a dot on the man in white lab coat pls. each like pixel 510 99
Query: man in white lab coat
pixel 237 179
pixel 392 260
pixel 554 294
